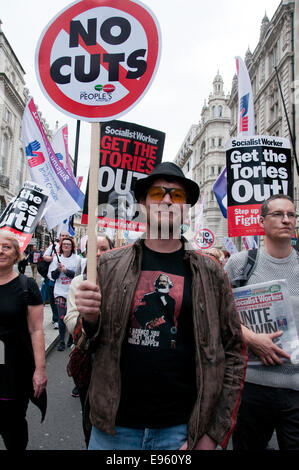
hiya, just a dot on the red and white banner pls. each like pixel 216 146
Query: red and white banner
pixel 60 147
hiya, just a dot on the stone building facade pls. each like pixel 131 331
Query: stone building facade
pixel 274 55
pixel 13 97
pixel 13 170
pixel 202 156
pixel 277 52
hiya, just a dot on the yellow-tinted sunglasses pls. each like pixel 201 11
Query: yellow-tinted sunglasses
pixel 157 193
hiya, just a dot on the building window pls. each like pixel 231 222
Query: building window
pixel 213 142
pixel 213 111
pixel 274 107
pixel 220 142
pixel 273 56
pixel 220 109
pixel 7 115
pixel 4 153
pixel 13 78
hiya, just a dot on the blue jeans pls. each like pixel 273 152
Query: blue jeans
pixel 50 291
pixel 171 438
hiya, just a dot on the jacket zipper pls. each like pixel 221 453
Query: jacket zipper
pixel 195 424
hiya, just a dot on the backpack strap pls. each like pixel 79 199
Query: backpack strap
pixel 247 270
pixel 250 265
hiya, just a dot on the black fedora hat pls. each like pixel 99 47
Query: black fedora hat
pixel 167 170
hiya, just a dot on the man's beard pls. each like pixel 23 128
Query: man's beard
pixel 163 290
pixel 165 224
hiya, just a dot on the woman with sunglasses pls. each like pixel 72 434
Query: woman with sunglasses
pixel 63 273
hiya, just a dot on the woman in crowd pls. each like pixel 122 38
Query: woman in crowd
pixel 226 255
pixel 81 376
pixel 216 253
pixel 22 346
pixel 63 273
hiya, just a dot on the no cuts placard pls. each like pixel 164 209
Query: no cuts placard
pixel 97 58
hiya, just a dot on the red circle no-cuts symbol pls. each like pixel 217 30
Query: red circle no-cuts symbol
pixel 204 238
pixel 95 61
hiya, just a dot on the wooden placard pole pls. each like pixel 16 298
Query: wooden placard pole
pixel 93 201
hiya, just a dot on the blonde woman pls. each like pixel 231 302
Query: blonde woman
pixel 23 374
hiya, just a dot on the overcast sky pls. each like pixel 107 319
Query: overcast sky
pixel 198 39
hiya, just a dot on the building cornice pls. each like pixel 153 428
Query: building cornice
pixel 6 42
pixel 11 91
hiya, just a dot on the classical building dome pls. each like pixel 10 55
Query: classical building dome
pixel 218 84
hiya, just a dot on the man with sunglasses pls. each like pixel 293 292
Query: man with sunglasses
pixel 270 400
pixel 173 381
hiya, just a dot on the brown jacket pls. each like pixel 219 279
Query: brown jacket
pixel 220 357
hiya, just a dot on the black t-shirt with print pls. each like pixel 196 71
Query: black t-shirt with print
pixel 15 335
pixel 158 385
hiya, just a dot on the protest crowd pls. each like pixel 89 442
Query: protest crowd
pixel 172 344
pixel 158 351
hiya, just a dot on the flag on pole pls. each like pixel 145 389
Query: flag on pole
pixel 245 100
pixel 65 198
pixel 220 191
pixel 60 147
pixel 245 127
pixel 66 226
